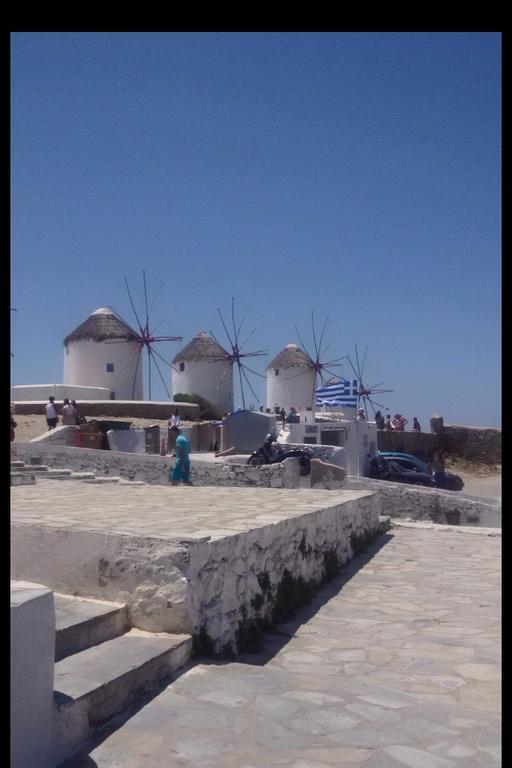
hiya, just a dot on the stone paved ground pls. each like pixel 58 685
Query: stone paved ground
pixel 165 511
pixel 396 663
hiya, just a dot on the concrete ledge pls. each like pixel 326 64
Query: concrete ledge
pixel 32 659
pixel 216 563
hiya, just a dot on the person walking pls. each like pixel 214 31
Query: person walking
pixel 416 425
pixel 52 414
pixel 181 469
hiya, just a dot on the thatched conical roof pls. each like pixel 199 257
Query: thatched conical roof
pixel 290 357
pixel 101 325
pixel 202 346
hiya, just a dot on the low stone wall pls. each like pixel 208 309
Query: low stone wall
pixel 243 584
pixel 417 503
pixel 331 454
pixel 118 408
pixel 421 444
pixel 472 443
pixel 155 469
pixel 469 443
pixel 223 584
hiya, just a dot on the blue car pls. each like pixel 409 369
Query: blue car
pixel 408 461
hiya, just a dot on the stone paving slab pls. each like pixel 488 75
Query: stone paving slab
pixel 167 512
pixel 395 664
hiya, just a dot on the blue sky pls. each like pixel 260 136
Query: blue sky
pixel 357 175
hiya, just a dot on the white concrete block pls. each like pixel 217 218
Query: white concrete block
pixel 32 663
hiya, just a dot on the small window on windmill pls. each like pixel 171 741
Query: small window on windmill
pixel 276 371
pixel 182 367
pixel 110 367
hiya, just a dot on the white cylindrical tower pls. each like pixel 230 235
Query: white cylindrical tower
pixel 291 380
pixel 90 361
pixel 204 368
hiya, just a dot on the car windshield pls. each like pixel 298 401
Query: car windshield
pixel 396 467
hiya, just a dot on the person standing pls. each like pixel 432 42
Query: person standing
pixel 403 422
pixel 13 427
pixel 173 427
pixel 52 414
pixel 360 415
pixel 379 420
pixel 438 469
pixel 181 469
pixel 396 423
pixel 416 425
pixel 388 425
pixel 282 414
pixel 68 413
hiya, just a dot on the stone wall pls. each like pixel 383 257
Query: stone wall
pixel 119 408
pixel 241 585
pixel 469 443
pixel 417 503
pixel 472 443
pixel 154 469
pixel 224 586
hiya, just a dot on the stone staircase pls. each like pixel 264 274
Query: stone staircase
pixel 103 668
pixel 27 474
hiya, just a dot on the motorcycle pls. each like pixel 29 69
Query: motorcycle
pixel 272 453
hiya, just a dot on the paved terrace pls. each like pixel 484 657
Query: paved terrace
pixel 168 512
pixel 395 663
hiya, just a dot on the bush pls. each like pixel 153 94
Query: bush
pixel 207 411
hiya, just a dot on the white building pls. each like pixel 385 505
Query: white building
pixel 92 359
pixel 291 380
pixel 354 442
pixel 204 368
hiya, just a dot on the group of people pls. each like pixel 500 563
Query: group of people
pixel 70 413
pixel 395 424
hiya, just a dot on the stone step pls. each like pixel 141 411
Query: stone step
pixel 73 476
pixel 22 478
pixel 51 473
pixel 81 623
pixel 94 685
pixel 33 468
pixel 104 480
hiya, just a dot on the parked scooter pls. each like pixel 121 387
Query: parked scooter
pixel 271 452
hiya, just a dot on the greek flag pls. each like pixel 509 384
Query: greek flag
pixel 342 394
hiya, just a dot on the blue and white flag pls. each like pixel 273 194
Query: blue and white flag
pixel 343 394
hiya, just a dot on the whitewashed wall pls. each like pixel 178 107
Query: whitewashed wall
pixel 213 381
pixel 31 392
pixel 85 363
pixel 32 663
pixel 288 388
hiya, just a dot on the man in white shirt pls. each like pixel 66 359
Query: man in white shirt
pixel 52 415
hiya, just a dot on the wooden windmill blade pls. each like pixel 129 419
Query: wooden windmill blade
pixel 319 363
pixel 366 392
pixel 236 355
pixel 146 338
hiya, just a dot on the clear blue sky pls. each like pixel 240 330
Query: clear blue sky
pixel 354 174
